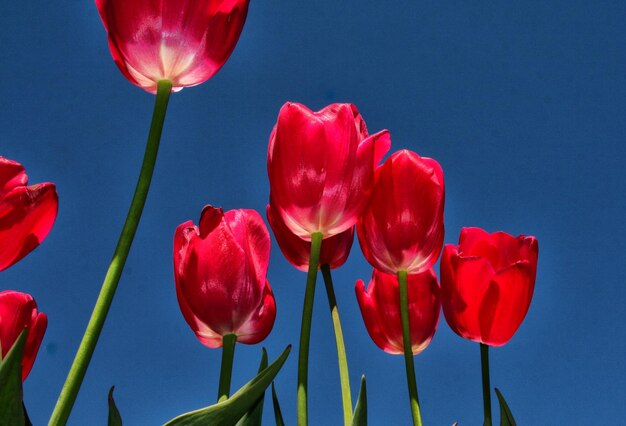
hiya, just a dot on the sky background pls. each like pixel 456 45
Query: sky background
pixel 524 106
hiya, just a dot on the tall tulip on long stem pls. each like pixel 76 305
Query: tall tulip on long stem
pixel 487 283
pixel 401 232
pixel 160 46
pixel 321 169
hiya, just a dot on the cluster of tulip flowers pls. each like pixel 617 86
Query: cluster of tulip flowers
pixel 326 183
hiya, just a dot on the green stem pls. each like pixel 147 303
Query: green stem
pixel 305 330
pixel 96 322
pixel 344 377
pixel 484 364
pixel 408 350
pixel 226 371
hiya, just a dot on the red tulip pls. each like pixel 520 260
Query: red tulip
pixel 297 251
pixel 402 227
pixel 321 167
pixel 220 270
pixel 183 41
pixel 19 311
pixel 380 307
pixel 487 284
pixel 27 213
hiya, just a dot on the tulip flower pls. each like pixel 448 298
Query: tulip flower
pixel 321 167
pixel 17 312
pixel 220 268
pixel 27 213
pixel 334 251
pixel 380 307
pixel 183 41
pixel 402 227
pixel 487 284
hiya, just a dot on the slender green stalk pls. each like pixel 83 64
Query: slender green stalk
pixel 305 330
pixel 226 370
pixel 96 322
pixel 484 364
pixel 408 351
pixel 346 397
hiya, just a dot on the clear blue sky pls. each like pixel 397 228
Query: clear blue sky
pixel 524 106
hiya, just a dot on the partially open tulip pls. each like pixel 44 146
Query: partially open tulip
pixel 220 269
pixel 321 167
pixel 380 307
pixel 17 312
pixel 402 226
pixel 334 253
pixel 487 284
pixel 183 41
pixel 27 213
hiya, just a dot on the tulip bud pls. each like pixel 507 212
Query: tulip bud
pixel 185 42
pixel 17 312
pixel 487 284
pixel 220 269
pixel 380 307
pixel 27 213
pixel 321 167
pixel 334 253
pixel 402 226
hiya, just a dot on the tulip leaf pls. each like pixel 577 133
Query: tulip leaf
pixel 115 419
pixel 255 414
pixel 11 405
pixel 506 417
pixel 27 421
pixel 360 410
pixel 278 415
pixel 228 412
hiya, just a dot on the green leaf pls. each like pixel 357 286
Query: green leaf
pixel 11 405
pixel 360 410
pixel 277 413
pixel 254 416
pixel 114 415
pixel 506 417
pixel 228 412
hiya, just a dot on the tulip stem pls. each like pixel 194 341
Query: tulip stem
pixel 484 364
pixel 226 370
pixel 96 322
pixel 346 396
pixel 305 330
pixel 408 349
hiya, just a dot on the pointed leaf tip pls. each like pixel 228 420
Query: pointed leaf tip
pixel 360 410
pixel 11 405
pixel 115 419
pixel 278 415
pixel 506 417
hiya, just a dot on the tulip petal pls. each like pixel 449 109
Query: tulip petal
pixel 12 175
pixel 27 214
pixel 514 294
pixel 260 323
pixel 464 284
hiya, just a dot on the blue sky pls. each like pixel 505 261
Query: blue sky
pixel 522 104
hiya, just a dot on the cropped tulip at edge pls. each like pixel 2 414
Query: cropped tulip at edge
pixel 27 213
pixel 18 311
pixel 380 307
pixel 220 270
pixel 487 284
pixel 402 226
pixel 183 41
pixel 334 252
pixel 321 167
